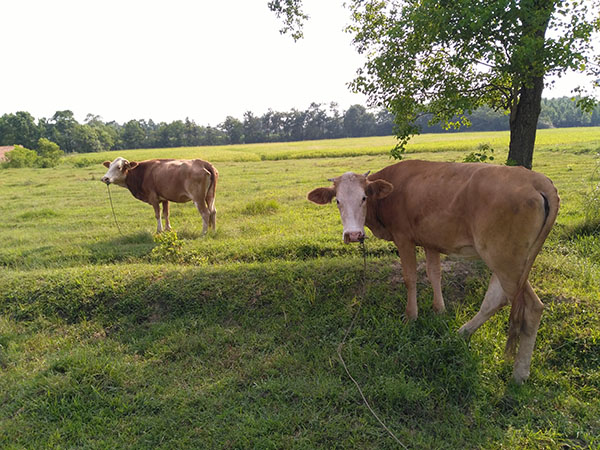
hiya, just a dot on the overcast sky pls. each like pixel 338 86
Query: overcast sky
pixel 159 60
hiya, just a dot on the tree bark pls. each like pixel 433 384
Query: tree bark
pixel 523 124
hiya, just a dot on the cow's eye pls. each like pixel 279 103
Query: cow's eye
pixel 337 201
pixel 364 198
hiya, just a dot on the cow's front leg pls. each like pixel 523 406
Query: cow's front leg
pixel 408 258
pixel 434 273
pixel 166 215
pixel 156 207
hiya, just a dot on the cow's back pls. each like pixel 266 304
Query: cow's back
pixel 170 179
pixel 446 206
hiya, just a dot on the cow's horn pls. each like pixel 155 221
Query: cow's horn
pixel 367 173
pixel 330 179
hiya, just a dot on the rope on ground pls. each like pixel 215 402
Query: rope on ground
pixel 341 345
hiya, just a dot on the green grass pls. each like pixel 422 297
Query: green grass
pixel 574 140
pixel 229 340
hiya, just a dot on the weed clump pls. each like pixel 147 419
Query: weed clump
pixel 484 153
pixel 261 207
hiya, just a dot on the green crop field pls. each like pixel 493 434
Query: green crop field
pixel 228 340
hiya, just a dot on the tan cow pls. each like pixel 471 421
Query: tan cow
pixel 497 213
pixel 168 180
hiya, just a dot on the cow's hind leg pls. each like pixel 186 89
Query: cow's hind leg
pixel 166 215
pixel 434 273
pixel 532 315
pixel 204 212
pixel 212 223
pixel 495 298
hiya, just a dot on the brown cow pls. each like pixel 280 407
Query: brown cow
pixel 163 180
pixel 497 213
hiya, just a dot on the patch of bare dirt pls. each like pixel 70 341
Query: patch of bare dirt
pixel 5 149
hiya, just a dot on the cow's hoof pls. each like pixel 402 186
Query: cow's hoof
pixel 410 316
pixel 464 332
pixel 439 310
pixel 520 379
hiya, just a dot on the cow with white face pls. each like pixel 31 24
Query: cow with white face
pixel 351 191
pixel 497 213
pixel 117 171
pixel 159 181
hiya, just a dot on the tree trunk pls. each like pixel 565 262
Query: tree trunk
pixel 523 124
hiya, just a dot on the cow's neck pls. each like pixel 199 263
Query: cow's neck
pixel 374 223
pixel 134 181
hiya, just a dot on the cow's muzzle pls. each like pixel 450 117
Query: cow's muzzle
pixel 354 236
pixel 105 180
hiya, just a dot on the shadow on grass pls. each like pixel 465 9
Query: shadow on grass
pixel 122 247
pixel 263 338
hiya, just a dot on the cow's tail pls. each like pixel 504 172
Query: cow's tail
pixel 517 312
pixel 212 187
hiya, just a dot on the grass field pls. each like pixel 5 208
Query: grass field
pixel 229 340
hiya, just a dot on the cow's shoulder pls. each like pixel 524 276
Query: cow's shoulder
pixel 137 179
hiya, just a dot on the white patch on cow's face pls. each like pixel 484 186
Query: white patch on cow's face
pixel 116 172
pixel 352 203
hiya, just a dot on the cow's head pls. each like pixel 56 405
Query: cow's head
pixel 117 171
pixel 352 191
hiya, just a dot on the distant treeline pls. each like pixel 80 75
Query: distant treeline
pixel 316 122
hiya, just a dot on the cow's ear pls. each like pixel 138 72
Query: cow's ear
pixel 106 164
pixel 132 165
pixel 379 189
pixel 321 196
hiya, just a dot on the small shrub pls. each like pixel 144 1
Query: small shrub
pixel 20 157
pixel 261 207
pixel 168 247
pixel 481 155
pixel 49 153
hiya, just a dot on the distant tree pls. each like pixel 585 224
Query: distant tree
pixel 19 128
pixel 60 128
pixel 384 123
pixel 214 136
pixel 315 122
pixel 107 135
pixel 358 121
pixel 253 131
pixel 133 135
pixel 114 130
pixel 49 153
pixel 294 125
pixel 334 128
pixel 234 129
pixel 171 134
pixel 85 139
pixel 273 126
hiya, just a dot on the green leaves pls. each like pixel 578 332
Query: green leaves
pixel 441 58
pixel 291 13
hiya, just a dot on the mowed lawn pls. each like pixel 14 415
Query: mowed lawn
pixel 129 340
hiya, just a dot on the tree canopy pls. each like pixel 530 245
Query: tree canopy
pixel 444 59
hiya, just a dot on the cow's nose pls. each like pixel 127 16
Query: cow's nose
pixel 353 236
pixel 105 180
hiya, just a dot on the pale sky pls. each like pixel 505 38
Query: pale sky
pixel 159 60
